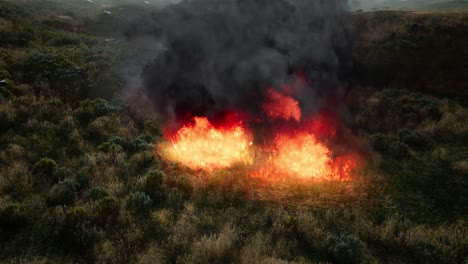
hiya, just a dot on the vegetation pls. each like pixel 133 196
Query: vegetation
pixel 80 181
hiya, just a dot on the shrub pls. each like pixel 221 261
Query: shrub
pixel 76 232
pixel 7 117
pixel 214 248
pixel 118 141
pixel 63 193
pixel 413 138
pixel 139 144
pixel 45 166
pixel 96 193
pixel 82 179
pixel 45 67
pixel 398 150
pixel 139 203
pixel 151 184
pixel 109 147
pixel 347 249
pixel 64 40
pixel 107 209
pixel 381 142
pixel 12 216
pixel 92 109
pixel 4 74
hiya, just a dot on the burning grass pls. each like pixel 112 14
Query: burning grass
pixel 295 155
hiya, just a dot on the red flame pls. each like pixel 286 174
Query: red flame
pixel 297 150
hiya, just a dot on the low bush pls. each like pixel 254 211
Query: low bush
pixel 45 166
pixel 63 193
pixel 107 209
pixel 347 249
pixel 139 203
pixel 96 193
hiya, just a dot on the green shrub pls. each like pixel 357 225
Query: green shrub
pixel 63 193
pixel 109 147
pixel 96 193
pixel 76 232
pixel 151 184
pixel 82 179
pixel 45 166
pixel 139 203
pixel 118 141
pixel 347 249
pixel 92 109
pixel 12 216
pixel 413 139
pixel 107 209
pixel 139 144
pixel 5 93
pixel 398 150
pixel 382 142
pixel 64 40
pixel 45 67
pixel 4 75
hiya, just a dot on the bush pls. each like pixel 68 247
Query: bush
pixel 109 147
pixel 107 209
pixel 139 203
pixel 96 193
pixel 398 150
pixel 151 184
pixel 382 142
pixel 4 74
pixel 118 141
pixel 45 166
pixel 347 249
pixel 92 109
pixel 76 231
pixel 139 144
pixel 64 40
pixel 55 70
pixel 63 193
pixel 413 138
pixel 12 216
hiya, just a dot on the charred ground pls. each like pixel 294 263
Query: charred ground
pixel 79 181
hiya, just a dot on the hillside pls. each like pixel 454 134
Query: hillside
pixel 82 181
pixel 432 5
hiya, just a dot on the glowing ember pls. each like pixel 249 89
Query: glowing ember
pixel 202 146
pixel 279 106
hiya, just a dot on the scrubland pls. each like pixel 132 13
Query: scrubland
pixel 81 182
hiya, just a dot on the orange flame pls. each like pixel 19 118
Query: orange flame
pixel 303 157
pixel 202 146
pixel 279 106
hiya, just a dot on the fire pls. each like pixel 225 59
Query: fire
pixel 293 150
pixel 302 156
pixel 202 146
pixel 279 106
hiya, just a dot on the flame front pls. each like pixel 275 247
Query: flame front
pixel 202 146
pixel 302 156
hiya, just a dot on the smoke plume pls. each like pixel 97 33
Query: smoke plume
pixel 218 55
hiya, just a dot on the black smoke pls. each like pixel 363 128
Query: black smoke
pixel 217 55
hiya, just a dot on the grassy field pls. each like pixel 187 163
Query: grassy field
pixel 81 182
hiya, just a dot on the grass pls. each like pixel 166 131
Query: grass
pixel 81 182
